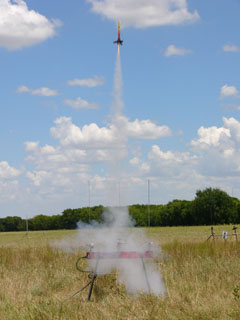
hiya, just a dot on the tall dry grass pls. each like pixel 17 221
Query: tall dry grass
pixel 201 278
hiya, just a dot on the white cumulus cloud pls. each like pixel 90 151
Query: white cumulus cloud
pixel 8 172
pixel 146 129
pixel 233 126
pixel 37 177
pixel 212 159
pixel 31 145
pixel 170 165
pixel 93 136
pixel 63 170
pixel 79 148
pixel 89 136
pixel 228 91
pixel 21 27
pixel 142 13
pixel 88 82
pixel 230 48
pixel 174 51
pixel 43 91
pixel 23 89
pixel 168 157
pixel 134 161
pixel 218 149
pixel 211 137
pixel 229 107
pixel 80 103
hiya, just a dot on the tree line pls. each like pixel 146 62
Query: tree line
pixel 209 207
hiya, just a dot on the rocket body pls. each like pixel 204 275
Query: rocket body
pixel 119 29
pixel 119 41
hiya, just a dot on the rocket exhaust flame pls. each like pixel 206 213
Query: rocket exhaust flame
pixel 119 41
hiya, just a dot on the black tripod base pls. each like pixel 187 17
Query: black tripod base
pixel 91 287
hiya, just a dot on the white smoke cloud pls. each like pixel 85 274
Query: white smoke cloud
pixel 133 273
pixel 21 27
pixel 113 236
pixel 136 276
pixel 143 14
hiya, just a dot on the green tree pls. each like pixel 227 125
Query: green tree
pixel 70 218
pixel 213 206
pixel 41 222
pixel 139 214
pixel 12 223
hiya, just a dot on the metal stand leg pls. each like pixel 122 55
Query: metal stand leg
pixel 91 287
pixel 211 235
pixel 93 280
pixel 235 233
pixel 146 277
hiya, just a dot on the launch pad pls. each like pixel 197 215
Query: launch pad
pixel 97 256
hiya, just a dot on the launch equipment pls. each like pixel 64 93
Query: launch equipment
pixel 103 255
pixel 224 234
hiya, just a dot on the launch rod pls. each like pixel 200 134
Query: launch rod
pixel 146 277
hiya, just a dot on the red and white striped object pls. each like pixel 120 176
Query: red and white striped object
pixel 119 255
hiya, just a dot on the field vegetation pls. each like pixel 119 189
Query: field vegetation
pixel 201 277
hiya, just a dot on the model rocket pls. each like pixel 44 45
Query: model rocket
pixel 119 41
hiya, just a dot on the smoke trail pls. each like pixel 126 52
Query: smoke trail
pixel 116 234
pixel 117 105
pixel 118 122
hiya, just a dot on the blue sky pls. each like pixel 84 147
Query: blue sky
pixel 181 94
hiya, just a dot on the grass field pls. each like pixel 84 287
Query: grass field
pixel 202 279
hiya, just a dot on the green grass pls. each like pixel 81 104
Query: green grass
pixel 202 279
pixel 186 234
